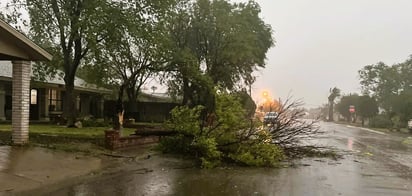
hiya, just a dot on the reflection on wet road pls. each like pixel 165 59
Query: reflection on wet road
pixel 350 143
pixel 372 164
pixel 4 157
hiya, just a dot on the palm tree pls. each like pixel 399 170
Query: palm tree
pixel 334 93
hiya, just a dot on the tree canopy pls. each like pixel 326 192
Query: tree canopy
pixel 365 106
pixel 345 102
pixel 383 81
pixel 69 30
pixel 215 44
pixel 391 85
pixel 132 52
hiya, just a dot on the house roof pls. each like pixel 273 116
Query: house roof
pixel 155 97
pixel 6 72
pixel 16 46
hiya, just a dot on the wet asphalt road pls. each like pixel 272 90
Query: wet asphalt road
pixel 373 163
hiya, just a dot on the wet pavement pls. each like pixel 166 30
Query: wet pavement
pixel 23 168
pixel 373 163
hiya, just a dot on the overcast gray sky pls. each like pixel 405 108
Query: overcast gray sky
pixel 323 43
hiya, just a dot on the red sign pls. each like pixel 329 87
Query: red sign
pixel 352 109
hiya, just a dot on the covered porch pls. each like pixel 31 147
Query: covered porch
pixel 20 50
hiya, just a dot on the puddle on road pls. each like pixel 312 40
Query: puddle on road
pixel 23 167
pixel 19 159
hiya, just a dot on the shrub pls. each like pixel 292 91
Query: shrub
pixel 396 122
pixel 208 152
pixel 175 144
pixel 94 123
pixel 380 121
pixel 258 154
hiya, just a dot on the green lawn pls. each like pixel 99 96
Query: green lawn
pixel 56 130
pixel 87 140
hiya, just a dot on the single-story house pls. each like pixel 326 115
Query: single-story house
pixel 20 50
pixel 47 97
pixel 155 107
pixel 151 107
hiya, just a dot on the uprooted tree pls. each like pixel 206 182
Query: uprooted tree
pixel 292 133
pixel 229 135
pixel 223 135
pixel 288 128
pixel 216 46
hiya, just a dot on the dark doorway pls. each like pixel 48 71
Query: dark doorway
pixel 34 104
pixel 8 107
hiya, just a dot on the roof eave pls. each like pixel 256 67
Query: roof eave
pixel 40 53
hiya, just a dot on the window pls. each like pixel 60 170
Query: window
pixel 33 96
pixel 55 101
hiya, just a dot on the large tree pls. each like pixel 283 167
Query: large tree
pixel 391 85
pixel 381 81
pixel 133 50
pixel 367 108
pixel 70 30
pixel 215 44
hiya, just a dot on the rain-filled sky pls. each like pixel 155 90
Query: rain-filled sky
pixel 323 43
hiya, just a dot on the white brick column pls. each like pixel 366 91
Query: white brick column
pixel 21 102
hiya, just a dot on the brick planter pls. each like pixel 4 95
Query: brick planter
pixel 114 141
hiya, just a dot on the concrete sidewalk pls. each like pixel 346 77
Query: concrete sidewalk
pixel 25 168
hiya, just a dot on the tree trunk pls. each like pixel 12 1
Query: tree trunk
pixel 132 106
pixel 69 107
pixel 186 92
pixel 118 117
pixel 330 111
pixel 156 132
